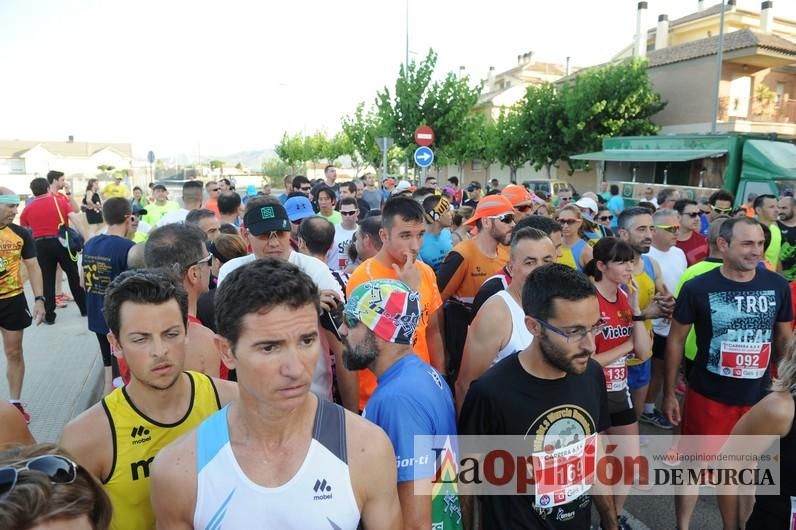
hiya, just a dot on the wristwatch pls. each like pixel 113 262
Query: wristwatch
pixel 639 318
pixel 37 298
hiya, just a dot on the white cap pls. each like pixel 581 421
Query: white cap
pixel 402 185
pixel 588 203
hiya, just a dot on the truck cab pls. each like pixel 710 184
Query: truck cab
pixel 696 165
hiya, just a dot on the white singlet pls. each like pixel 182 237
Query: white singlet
pixel 520 336
pixel 319 495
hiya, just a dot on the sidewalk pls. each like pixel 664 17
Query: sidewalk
pixel 63 371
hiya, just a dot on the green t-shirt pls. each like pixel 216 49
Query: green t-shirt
pixel 154 212
pixel 707 265
pixel 772 254
pixel 335 218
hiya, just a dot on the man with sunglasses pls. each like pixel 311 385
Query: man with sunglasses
pixel 337 258
pixel 720 202
pixel 689 240
pixel 117 439
pixel 468 265
pixel 267 228
pixel 105 256
pixel 302 184
pixel 521 199
pixel 213 191
pixel 181 249
pixel 672 263
pixel 535 393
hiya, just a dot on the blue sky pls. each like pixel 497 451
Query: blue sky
pixel 178 75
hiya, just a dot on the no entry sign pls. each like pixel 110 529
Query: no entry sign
pixel 424 136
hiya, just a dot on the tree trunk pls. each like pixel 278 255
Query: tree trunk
pixel 513 174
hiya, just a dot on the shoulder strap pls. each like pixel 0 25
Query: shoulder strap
pixel 649 268
pixel 329 428
pixel 58 208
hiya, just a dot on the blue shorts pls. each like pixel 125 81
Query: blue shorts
pixel 638 376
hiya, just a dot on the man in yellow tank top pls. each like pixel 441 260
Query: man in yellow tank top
pixel 117 439
pixel 635 225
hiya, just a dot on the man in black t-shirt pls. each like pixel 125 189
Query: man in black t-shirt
pixel 551 388
pixel 742 315
pixel 787 227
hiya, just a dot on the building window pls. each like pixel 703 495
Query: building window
pixel 477 165
pixel 780 94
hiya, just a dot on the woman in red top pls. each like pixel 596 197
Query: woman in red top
pixel 622 335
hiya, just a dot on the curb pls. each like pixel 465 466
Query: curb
pixel 90 389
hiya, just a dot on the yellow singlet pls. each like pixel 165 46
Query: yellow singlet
pixel 570 256
pixel 646 292
pixel 136 441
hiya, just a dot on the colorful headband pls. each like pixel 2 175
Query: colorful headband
pixel 9 199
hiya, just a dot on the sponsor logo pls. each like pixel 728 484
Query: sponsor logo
pixel 727 371
pixel 544 500
pixel 323 489
pixel 140 435
pixel 140 469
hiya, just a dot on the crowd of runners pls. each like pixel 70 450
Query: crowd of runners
pixel 270 360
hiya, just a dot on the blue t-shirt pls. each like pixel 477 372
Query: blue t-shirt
pixel 412 399
pixel 435 247
pixel 734 326
pixel 104 258
pixel 615 204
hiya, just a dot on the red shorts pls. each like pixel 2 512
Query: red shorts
pixel 703 416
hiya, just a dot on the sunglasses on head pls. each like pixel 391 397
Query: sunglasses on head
pixel 507 218
pixel 59 469
pixel 672 229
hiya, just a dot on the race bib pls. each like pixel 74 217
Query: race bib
pixel 615 375
pixel 564 474
pixel 744 360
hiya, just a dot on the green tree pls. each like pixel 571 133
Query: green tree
pixel 216 164
pixel 511 140
pixel 416 100
pixel 362 129
pixel 614 100
pixel 338 146
pixel 291 150
pixel 105 169
pixel 316 148
pixel 543 114
pixel 469 143
pixel 276 169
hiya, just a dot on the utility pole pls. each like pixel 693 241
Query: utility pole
pixel 719 61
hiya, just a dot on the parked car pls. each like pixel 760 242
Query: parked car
pixel 551 187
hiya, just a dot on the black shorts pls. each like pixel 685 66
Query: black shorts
pixel 620 408
pixel 658 346
pixel 14 313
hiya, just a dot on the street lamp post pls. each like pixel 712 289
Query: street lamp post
pixel 719 61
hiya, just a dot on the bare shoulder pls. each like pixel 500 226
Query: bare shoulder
pixel 173 485
pixel 367 442
pixel 227 390
pixel 89 439
pixel 778 410
pixel 177 458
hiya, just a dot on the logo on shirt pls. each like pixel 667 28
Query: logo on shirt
pixel 323 489
pixel 140 435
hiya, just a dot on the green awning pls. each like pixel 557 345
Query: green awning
pixel 767 160
pixel 651 155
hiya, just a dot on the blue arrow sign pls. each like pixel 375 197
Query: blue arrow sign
pixel 424 157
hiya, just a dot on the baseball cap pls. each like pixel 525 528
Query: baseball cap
pixel 589 203
pixel 299 208
pixel 489 206
pixel 138 210
pixel 473 186
pixel 403 185
pixel 387 307
pixel 251 190
pixel 269 218
pixel 517 195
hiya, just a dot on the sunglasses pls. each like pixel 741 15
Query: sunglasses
pixel 672 229
pixel 349 320
pixel 606 218
pixel 721 210
pixel 305 189
pixel 524 208
pixel 567 222
pixel 564 199
pixel 692 215
pixel 207 259
pixel 213 189
pixel 59 469
pixel 506 218
pixel 349 212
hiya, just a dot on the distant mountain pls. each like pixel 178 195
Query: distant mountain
pixel 252 159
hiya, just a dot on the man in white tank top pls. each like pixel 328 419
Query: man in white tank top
pixel 498 329
pixel 279 457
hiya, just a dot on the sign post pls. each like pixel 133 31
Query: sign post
pixel 384 144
